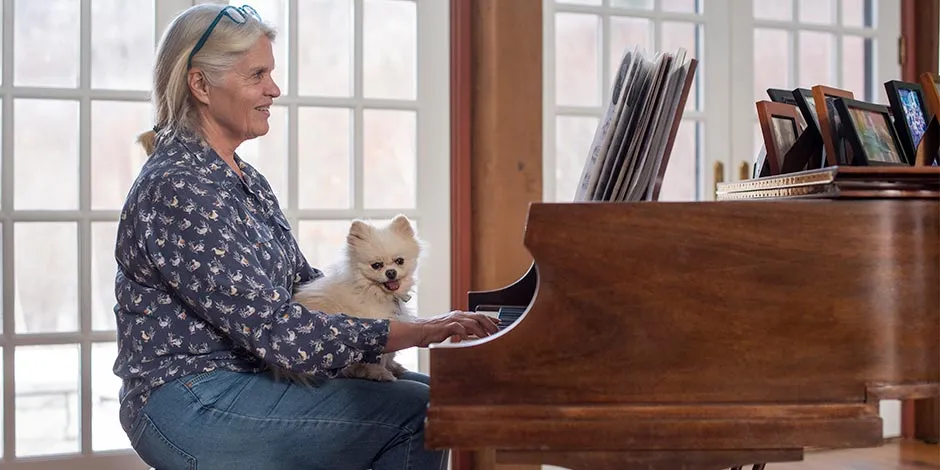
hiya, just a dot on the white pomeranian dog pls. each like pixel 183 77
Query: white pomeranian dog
pixel 373 279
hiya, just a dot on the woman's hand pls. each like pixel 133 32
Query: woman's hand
pixel 425 331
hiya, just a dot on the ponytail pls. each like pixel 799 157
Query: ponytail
pixel 147 141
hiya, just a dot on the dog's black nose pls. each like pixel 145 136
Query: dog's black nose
pixel 391 274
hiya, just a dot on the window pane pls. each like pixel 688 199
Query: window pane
pixel 47 404
pixel 42 248
pixel 321 240
pixel 275 13
pixel 325 47
pixel 103 269
pixel 268 153
pixel 122 44
pixel 390 49
pixel 324 158
pixel 577 59
pixel 106 431
pixel 625 33
pixel 781 10
pixel 116 157
pixel 685 35
pixel 390 159
pixel 573 137
pixel 638 4
pixel 680 183
pixel 682 6
pixel 46 43
pixel 772 61
pixel 39 160
pixel 581 2
pixel 817 53
pixel 854 14
pixel 817 11
pixel 758 139
pixel 855 67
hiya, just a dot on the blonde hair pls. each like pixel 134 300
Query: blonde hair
pixel 174 104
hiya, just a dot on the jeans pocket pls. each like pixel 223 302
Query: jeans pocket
pixel 156 449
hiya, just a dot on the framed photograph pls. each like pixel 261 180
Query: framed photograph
pixel 910 114
pixel 781 124
pixel 870 132
pixel 830 125
pixel 930 82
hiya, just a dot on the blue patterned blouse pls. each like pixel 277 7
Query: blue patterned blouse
pixel 206 268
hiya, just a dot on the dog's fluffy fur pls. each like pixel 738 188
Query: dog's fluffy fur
pixel 373 279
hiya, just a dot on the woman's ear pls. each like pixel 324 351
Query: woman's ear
pixel 198 86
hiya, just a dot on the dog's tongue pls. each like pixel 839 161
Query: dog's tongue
pixel 392 285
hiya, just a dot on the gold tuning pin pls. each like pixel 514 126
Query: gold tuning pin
pixel 744 171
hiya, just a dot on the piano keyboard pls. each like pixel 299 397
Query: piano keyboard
pixel 508 315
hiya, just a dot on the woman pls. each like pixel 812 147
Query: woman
pixel 207 265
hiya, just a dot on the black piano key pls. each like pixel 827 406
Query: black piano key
pixel 508 315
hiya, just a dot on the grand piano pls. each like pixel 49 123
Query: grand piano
pixel 704 335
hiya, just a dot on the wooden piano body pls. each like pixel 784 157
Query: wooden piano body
pixel 701 335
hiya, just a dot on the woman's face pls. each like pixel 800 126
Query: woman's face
pixel 239 107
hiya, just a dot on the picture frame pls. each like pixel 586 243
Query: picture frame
pixel 779 95
pixel 781 125
pixel 870 132
pixel 807 106
pixel 911 117
pixel 930 84
pixel 830 125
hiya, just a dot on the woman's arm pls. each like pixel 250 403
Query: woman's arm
pixel 424 331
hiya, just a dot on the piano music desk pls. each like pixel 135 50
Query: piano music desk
pixel 700 335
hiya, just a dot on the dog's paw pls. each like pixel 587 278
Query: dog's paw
pixel 395 368
pixel 369 372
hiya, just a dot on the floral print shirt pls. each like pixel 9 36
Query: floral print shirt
pixel 206 268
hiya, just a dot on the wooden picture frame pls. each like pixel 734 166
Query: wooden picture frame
pixel 909 109
pixel 869 130
pixel 930 84
pixel 830 126
pixel 781 125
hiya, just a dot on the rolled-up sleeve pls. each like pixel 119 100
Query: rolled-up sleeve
pixel 209 262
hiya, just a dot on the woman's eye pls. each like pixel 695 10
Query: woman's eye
pixel 376 265
pixel 399 261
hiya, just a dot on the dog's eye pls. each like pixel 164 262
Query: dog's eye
pixel 377 265
pixel 399 261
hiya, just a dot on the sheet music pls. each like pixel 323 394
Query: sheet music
pixel 633 137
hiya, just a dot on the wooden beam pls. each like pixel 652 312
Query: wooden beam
pixel 506 134
pixel 496 150
pixel 461 146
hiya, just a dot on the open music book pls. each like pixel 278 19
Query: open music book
pixel 634 138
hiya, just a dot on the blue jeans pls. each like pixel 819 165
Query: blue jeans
pixel 227 420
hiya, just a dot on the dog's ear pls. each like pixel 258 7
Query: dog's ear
pixel 358 231
pixel 402 225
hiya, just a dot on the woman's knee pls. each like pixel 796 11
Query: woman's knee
pixel 409 398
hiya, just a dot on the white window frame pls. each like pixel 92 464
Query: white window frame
pixel 432 209
pixel 726 69
pixel 713 115
pixel 886 33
